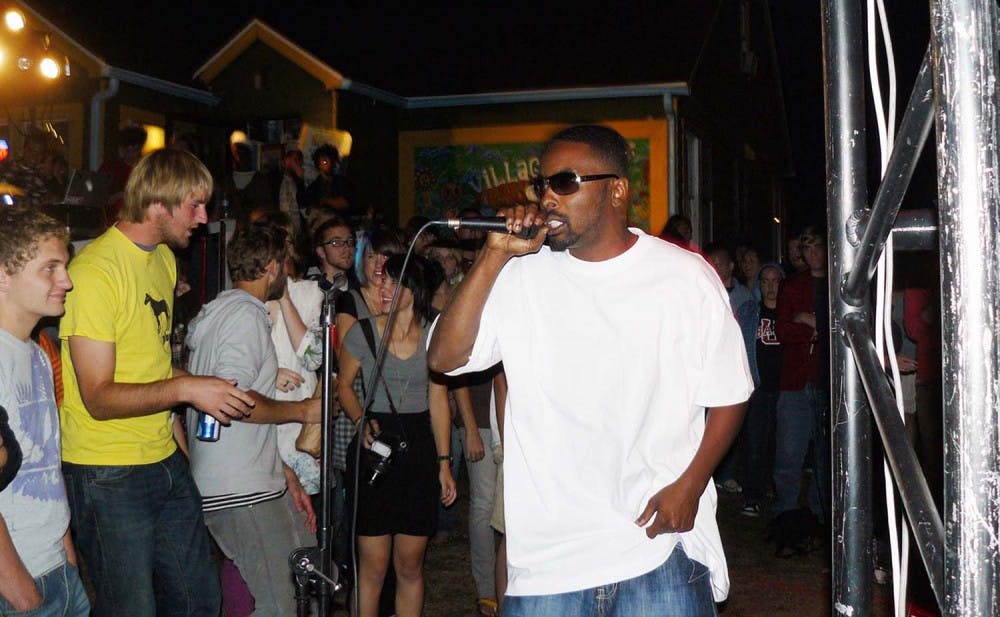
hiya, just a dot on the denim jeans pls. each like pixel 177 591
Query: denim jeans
pixel 141 533
pixel 62 593
pixel 758 445
pixel 482 538
pixel 681 586
pixel 802 418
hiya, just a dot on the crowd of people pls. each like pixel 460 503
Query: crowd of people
pixel 594 379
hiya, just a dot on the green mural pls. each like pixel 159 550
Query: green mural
pixel 486 176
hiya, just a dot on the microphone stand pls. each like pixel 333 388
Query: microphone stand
pixel 316 563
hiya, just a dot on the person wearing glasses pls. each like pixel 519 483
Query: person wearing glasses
pixel 334 242
pixel 609 508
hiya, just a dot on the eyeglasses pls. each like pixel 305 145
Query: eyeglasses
pixel 564 182
pixel 337 243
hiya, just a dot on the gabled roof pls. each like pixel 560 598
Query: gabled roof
pixel 97 66
pixel 257 30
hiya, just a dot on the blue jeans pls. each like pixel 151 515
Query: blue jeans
pixel 141 533
pixel 802 418
pixel 758 448
pixel 62 593
pixel 681 587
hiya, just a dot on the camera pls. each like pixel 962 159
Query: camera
pixel 382 451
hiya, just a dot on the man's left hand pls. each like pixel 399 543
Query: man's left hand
pixel 675 507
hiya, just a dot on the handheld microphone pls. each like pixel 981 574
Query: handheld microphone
pixel 494 223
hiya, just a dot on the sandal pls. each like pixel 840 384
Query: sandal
pixel 487 607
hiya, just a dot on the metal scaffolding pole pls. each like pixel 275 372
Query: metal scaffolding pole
pixel 850 521
pixel 910 139
pixel 914 493
pixel 964 43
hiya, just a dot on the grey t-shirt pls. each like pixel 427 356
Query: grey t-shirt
pixel 34 505
pixel 407 379
pixel 231 338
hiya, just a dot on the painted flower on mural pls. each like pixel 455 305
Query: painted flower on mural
pixel 424 179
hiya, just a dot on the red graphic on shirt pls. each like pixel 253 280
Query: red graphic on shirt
pixel 766 333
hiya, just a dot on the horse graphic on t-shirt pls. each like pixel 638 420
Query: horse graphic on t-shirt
pixel 159 308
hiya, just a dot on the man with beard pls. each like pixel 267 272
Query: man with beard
pixel 135 509
pixel 250 497
pixel 614 344
pixel 334 242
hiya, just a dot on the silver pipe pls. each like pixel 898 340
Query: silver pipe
pixel 851 517
pixel 96 121
pixel 964 40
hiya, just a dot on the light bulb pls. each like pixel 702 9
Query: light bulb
pixel 24 63
pixel 49 68
pixel 14 20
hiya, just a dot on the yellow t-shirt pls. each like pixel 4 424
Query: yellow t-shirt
pixel 121 294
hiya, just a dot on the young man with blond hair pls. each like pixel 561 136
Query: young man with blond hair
pixel 38 571
pixel 135 508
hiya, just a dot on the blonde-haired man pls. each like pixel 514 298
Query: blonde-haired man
pixel 135 508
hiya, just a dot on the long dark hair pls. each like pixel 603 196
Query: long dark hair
pixel 418 278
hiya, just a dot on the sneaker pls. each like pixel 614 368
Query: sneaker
pixel 729 486
pixel 750 509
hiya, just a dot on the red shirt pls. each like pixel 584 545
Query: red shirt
pixel 798 362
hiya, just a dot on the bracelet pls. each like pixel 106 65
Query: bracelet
pixel 446 457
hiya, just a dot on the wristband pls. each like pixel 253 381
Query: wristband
pixel 446 457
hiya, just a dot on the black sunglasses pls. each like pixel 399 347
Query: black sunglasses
pixel 564 182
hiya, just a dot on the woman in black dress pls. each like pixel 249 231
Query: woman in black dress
pixel 398 513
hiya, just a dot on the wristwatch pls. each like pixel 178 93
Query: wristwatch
pixel 446 457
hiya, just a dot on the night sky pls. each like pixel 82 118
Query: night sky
pixel 429 48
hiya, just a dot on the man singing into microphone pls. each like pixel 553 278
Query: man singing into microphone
pixel 615 343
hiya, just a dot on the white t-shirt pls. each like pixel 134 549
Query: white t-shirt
pixel 610 366
pixel 34 505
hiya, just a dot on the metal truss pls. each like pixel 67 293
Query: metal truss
pixel 957 89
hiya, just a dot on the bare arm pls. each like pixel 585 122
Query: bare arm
pixel 474 450
pixel 180 437
pixel 500 399
pixel 441 427
pixel 293 321
pixel 458 326
pixel 16 584
pixel 349 367
pixel 70 549
pixel 269 411
pixel 300 498
pixel 106 399
pixel 676 504
pixel 344 323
